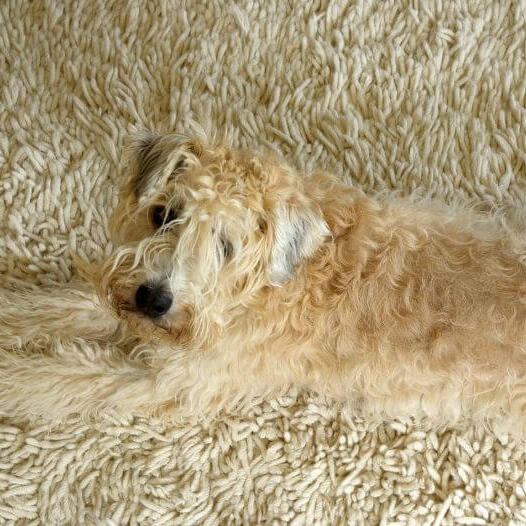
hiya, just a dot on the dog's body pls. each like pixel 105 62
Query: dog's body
pixel 246 277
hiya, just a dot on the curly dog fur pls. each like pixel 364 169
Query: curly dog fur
pixel 395 306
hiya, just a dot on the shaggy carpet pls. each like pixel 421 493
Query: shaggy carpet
pixel 426 95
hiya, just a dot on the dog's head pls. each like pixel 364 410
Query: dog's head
pixel 200 231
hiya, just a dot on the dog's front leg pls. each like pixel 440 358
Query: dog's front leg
pixel 41 314
pixel 76 377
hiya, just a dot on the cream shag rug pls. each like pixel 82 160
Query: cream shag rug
pixel 420 94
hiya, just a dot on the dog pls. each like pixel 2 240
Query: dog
pixel 233 275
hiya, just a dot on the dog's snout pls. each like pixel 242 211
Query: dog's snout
pixel 153 300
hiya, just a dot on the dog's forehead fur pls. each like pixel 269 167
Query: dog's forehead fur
pixel 173 167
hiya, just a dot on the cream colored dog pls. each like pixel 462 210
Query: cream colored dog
pixel 242 277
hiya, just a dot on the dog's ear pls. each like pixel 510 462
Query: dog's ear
pixel 146 156
pixel 298 232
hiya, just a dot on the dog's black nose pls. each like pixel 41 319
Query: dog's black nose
pixel 152 300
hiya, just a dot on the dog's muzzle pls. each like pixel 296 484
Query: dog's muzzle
pixel 152 300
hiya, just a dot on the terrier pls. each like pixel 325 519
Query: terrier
pixel 233 276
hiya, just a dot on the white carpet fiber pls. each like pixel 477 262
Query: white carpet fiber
pixel 425 95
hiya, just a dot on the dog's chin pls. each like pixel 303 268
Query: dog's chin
pixel 143 327
pixel 166 329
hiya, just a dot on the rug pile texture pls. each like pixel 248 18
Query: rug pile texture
pixel 419 95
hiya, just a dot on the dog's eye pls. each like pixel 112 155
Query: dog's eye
pixel 161 216
pixel 226 248
pixel 181 164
